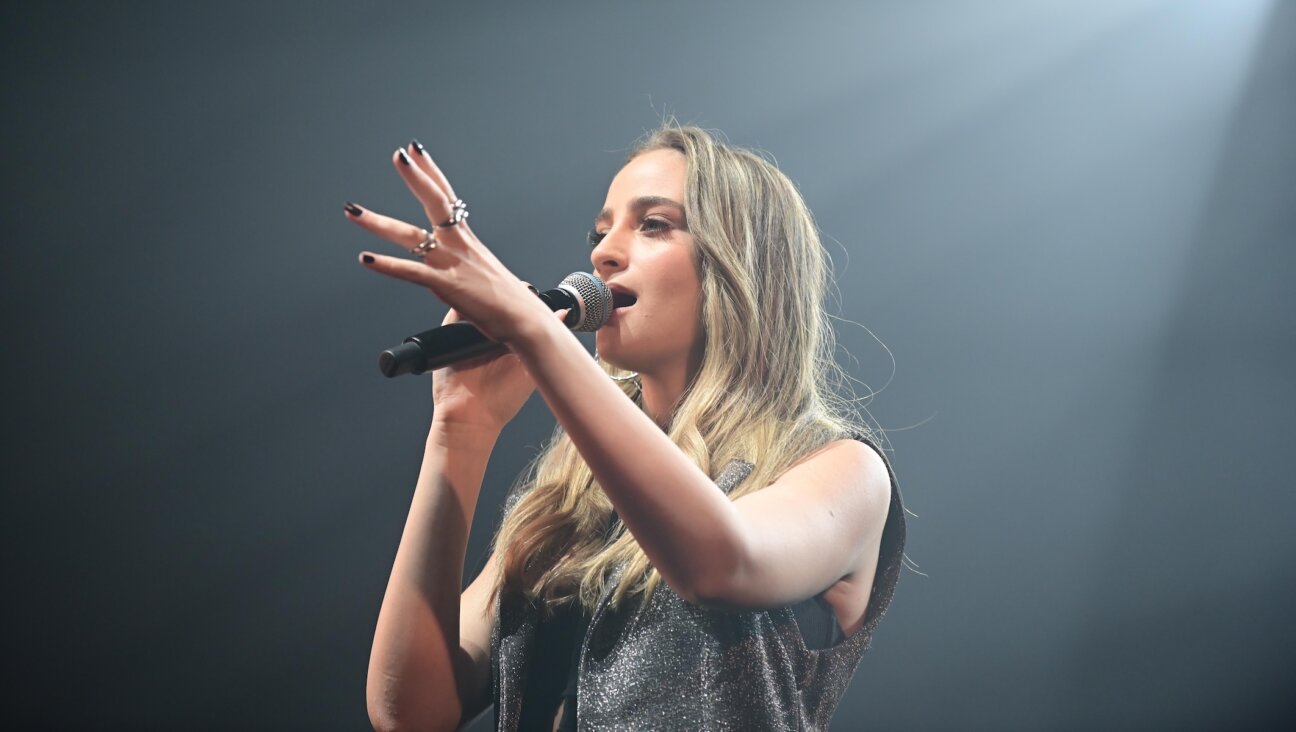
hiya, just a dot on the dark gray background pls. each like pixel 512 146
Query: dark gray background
pixel 1070 223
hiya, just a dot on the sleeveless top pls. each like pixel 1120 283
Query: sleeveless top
pixel 552 678
pixel 670 664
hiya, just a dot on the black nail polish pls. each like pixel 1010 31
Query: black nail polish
pixel 353 209
pixel 368 259
pixel 416 145
pixel 404 158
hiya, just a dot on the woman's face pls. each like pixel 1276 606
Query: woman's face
pixel 643 247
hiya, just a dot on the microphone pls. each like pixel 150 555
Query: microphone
pixel 589 301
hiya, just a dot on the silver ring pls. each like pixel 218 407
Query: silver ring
pixel 428 244
pixel 458 214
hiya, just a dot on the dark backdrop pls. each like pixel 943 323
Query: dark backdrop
pixel 1062 234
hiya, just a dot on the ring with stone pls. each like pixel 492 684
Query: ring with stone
pixel 458 213
pixel 428 244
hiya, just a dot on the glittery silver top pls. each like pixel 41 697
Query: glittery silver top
pixel 672 665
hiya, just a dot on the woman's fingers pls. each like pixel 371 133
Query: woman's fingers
pixel 424 161
pixel 402 269
pixel 438 207
pixel 402 234
pixel 421 158
pixel 427 165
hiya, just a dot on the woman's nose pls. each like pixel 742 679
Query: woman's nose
pixel 608 255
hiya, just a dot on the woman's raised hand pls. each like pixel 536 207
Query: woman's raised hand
pixel 458 268
pixel 463 273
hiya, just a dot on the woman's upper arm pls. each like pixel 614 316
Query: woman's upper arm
pixel 476 621
pixel 816 524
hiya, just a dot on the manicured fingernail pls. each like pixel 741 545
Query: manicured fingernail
pixel 367 258
pixel 403 157
pixel 418 146
pixel 353 209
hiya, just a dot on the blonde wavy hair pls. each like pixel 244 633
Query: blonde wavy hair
pixel 768 390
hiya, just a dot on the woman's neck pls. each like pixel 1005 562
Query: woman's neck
pixel 660 397
pixel 663 388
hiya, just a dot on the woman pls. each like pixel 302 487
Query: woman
pixel 711 552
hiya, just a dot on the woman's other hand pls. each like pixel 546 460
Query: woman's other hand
pixel 484 392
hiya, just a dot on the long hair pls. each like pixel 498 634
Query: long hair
pixel 768 389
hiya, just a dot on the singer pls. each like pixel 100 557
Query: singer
pixel 712 534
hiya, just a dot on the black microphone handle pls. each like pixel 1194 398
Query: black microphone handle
pixel 433 349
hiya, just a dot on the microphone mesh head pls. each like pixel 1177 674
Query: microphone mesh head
pixel 594 298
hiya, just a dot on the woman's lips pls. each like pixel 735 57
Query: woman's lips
pixel 622 301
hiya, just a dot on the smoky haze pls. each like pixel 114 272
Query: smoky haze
pixel 1062 234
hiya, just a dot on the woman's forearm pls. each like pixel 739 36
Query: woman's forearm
pixel 686 526
pixel 411 680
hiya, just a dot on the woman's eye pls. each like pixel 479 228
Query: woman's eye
pixel 652 226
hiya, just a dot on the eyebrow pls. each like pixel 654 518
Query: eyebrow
pixel 640 204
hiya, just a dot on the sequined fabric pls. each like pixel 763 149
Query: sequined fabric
pixel 672 665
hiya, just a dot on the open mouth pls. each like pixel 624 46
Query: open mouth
pixel 623 299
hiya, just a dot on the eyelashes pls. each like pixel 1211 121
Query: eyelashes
pixel 653 227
